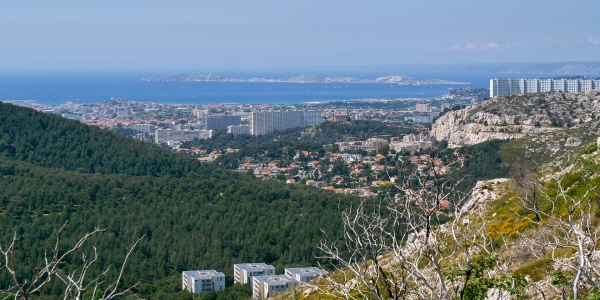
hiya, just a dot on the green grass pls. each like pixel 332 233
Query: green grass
pixel 536 270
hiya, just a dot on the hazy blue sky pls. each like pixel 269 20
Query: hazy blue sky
pixel 280 34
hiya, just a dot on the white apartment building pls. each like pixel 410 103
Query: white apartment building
pixel 532 85
pixel 422 107
pixel 220 122
pixel 411 142
pixel 202 281
pixel 304 274
pixel 175 135
pixel 359 117
pixel 546 85
pixel 266 286
pixel 199 113
pixel 143 128
pixel 508 86
pixel 238 129
pixel 268 121
pixel 243 273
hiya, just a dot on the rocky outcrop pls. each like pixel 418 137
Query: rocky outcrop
pixel 484 192
pixel 457 128
pixel 515 116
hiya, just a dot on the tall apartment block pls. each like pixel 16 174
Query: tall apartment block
pixel 304 274
pixel 243 273
pixel 199 113
pixel 268 121
pixel 202 281
pixel 422 107
pixel 508 86
pixel 267 285
pixel 144 128
pixel 238 129
pixel 165 135
pixel 220 122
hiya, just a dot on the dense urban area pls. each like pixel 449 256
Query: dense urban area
pixel 364 165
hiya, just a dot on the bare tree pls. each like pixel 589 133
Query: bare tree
pixel 528 184
pixel 568 233
pixel 51 268
pixel 401 250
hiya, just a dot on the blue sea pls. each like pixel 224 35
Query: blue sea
pixel 88 87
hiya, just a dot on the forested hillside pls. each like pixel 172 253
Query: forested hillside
pixel 193 216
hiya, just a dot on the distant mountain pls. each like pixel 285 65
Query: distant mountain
pixel 557 68
pixel 395 79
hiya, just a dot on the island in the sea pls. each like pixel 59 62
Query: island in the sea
pixel 394 79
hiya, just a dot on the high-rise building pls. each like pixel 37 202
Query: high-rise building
pixel 508 86
pixel 238 129
pixel 268 121
pixel 359 117
pixel 266 286
pixel 304 274
pixel 202 281
pixel 165 135
pixel 144 128
pixel 422 107
pixel 243 273
pixel 220 122
pixel 199 113
pixel 499 86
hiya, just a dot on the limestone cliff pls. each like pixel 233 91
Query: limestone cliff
pixel 514 116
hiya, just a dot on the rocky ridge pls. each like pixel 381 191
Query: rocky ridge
pixel 515 116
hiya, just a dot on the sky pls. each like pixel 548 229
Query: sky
pixel 282 34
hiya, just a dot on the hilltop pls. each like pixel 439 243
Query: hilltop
pixel 516 116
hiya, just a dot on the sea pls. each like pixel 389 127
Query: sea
pixel 53 88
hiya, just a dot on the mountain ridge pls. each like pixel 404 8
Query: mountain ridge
pixel 516 116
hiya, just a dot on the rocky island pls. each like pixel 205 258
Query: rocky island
pixel 394 79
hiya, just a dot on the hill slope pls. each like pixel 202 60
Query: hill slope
pixel 194 216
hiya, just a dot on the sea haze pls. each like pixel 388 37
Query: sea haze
pixel 55 88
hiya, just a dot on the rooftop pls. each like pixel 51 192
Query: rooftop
pixel 275 279
pixel 203 274
pixel 311 271
pixel 254 267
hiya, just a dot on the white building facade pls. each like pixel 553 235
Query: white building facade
pixel 149 128
pixel 268 121
pixel 176 135
pixel 238 129
pixel 304 274
pixel 266 286
pixel 220 122
pixel 202 281
pixel 509 86
pixel 422 107
pixel 243 273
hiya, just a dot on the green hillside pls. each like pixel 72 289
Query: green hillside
pixel 194 216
